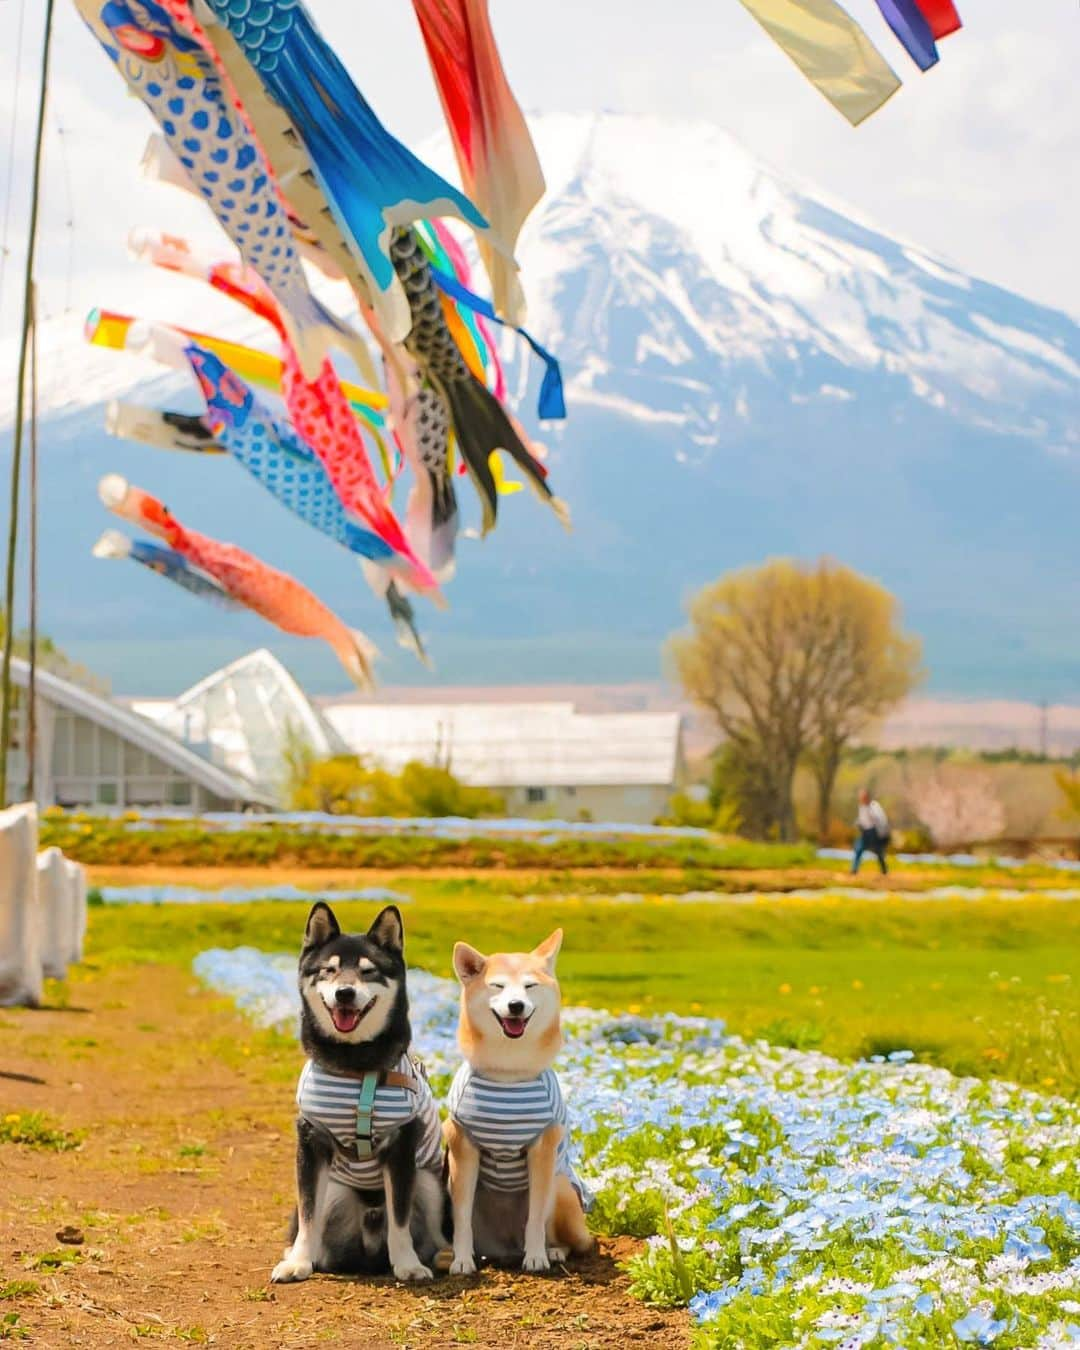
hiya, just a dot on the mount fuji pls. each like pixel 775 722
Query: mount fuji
pixel 750 371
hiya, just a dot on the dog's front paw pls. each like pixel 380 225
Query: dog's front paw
pixel 411 1273
pixel 463 1265
pixel 536 1261
pixel 289 1271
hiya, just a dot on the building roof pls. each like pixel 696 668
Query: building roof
pixel 517 744
pixel 139 731
pixel 244 715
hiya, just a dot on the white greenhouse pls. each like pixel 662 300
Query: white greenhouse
pixel 94 753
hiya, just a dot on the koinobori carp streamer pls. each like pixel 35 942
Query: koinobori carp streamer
pixel 276 596
pixel 169 72
pixel 320 413
pixel 371 181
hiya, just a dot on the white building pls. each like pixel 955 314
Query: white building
pixel 243 719
pixel 547 759
pixel 222 745
pixel 92 752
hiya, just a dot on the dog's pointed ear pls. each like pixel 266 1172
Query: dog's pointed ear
pixel 388 931
pixel 468 962
pixel 322 926
pixel 548 950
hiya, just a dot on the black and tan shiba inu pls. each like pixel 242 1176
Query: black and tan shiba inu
pixel 368 1159
pixel 514 1193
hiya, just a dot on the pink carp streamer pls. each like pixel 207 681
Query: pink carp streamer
pixel 276 596
pixel 500 170
pixel 319 411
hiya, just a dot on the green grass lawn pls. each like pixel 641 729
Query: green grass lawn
pixel 985 987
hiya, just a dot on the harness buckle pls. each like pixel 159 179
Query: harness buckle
pixel 365 1107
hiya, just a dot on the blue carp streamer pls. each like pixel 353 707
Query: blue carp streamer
pixel 276 457
pixel 370 180
pixel 171 74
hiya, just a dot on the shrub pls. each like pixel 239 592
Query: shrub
pixel 346 785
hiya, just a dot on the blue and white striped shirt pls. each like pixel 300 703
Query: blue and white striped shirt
pixel 504 1119
pixel 329 1100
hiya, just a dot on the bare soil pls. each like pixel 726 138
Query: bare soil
pixel 179 1189
pixel 339 878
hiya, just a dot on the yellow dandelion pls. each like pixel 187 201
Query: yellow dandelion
pixel 936 985
pixel 1049 1082
pixel 634 1008
pixel 785 989
pixel 814 989
pixel 695 1007
pixel 1057 979
pixel 856 984
pixel 13 1119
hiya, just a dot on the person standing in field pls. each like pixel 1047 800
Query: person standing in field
pixel 873 832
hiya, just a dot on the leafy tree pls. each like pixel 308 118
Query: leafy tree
pixel 788 658
pixel 866 666
pixel 1070 790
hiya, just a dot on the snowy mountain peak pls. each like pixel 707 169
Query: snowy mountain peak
pixel 673 232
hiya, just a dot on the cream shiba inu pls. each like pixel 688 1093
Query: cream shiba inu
pixel 514 1193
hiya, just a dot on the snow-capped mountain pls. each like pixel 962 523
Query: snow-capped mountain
pixel 750 370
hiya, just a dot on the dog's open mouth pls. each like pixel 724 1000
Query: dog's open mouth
pixel 514 1027
pixel 347 1017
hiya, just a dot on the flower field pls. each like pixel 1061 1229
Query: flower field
pixel 788 1198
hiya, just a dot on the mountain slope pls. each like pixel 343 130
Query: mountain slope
pixel 749 371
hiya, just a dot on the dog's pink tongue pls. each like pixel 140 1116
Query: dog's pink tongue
pixel 514 1027
pixel 345 1019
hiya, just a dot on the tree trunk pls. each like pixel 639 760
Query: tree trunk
pixel 785 804
pixel 826 765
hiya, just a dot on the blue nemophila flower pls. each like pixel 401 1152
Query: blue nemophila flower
pixel 811 1202
pixel 979 1326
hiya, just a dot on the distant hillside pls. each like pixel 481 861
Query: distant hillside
pixel 749 372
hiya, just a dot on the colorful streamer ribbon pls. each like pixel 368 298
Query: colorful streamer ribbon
pixel 551 404
pixel 907 21
pixel 500 170
pixel 942 17
pixel 831 50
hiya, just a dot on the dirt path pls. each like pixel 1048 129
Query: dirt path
pixel 335 878
pixel 180 1186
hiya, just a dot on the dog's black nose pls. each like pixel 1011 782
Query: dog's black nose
pixel 345 993
pixel 515 1007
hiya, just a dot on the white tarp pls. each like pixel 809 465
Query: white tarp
pixel 56 910
pixel 20 954
pixel 77 881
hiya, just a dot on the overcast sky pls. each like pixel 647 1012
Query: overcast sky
pixel 976 160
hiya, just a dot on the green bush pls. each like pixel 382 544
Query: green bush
pixel 346 785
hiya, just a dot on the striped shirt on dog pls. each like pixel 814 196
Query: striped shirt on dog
pixel 329 1100
pixel 504 1119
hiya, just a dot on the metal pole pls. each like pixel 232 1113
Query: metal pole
pixel 20 391
pixel 31 683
